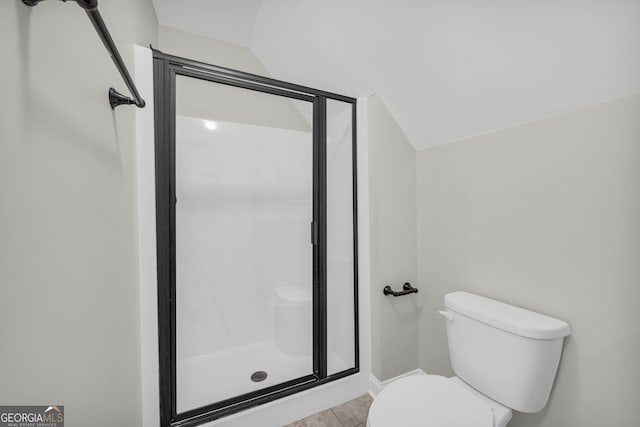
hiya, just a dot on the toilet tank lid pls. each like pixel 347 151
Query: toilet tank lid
pixel 507 317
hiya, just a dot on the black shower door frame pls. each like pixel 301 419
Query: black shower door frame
pixel 165 69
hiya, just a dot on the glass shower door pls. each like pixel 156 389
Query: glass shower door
pixel 256 238
pixel 244 196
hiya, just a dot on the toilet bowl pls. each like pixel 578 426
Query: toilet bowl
pixel 505 359
pixel 433 400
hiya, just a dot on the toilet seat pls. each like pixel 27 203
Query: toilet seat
pixel 429 401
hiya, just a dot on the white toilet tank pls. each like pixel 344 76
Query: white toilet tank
pixel 507 353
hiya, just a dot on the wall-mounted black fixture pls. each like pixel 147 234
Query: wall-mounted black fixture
pixel 115 98
pixel 406 290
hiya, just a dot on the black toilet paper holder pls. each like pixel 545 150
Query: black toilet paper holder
pixel 406 290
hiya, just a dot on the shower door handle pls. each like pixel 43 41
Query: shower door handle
pixel 314 232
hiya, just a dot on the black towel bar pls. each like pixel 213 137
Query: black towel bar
pixel 115 97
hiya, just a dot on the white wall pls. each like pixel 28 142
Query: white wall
pixel 393 244
pixel 242 230
pixel 447 70
pixel 204 49
pixel 68 278
pixel 544 215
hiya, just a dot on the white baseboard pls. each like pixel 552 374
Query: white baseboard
pixel 376 386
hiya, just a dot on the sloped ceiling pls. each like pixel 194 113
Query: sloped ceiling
pixel 446 69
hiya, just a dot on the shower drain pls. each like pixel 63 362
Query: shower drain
pixel 258 376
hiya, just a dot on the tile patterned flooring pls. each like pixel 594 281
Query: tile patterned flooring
pixel 349 414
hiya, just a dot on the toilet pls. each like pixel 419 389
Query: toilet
pixel 505 359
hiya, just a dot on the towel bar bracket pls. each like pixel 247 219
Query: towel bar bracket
pixel 116 98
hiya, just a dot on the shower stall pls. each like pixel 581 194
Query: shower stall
pixel 256 239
